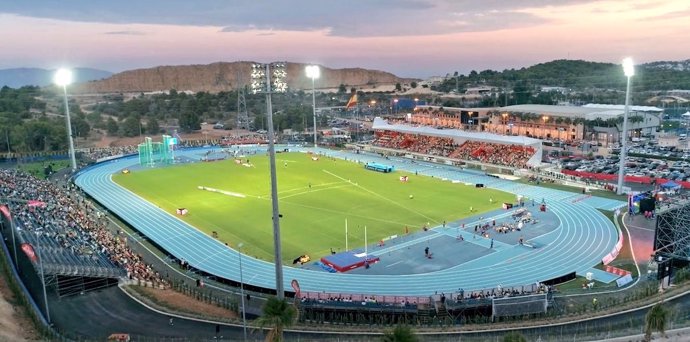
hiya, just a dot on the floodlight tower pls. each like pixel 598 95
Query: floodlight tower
pixel 63 78
pixel 629 71
pixel 263 81
pixel 313 72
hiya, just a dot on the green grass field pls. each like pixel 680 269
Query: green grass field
pixel 316 198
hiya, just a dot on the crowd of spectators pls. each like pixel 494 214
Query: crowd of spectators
pixel 97 153
pixel 497 154
pixel 72 221
pixel 489 153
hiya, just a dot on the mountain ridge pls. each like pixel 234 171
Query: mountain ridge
pixel 226 76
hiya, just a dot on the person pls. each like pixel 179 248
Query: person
pixel 444 224
pixel 492 243
pixel 309 185
pixel 426 251
pixel 170 321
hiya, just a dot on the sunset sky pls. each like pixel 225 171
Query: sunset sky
pixel 413 38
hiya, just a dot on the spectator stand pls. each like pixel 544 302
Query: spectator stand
pixel 457 145
pixel 64 236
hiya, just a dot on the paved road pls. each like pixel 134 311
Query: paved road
pixel 96 315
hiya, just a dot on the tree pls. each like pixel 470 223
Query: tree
pixel 131 127
pixel 514 336
pixel 398 87
pixel 111 126
pixel 278 314
pixel 189 121
pixel 342 88
pixel 401 333
pixel 656 320
pixel 152 126
pixel 413 84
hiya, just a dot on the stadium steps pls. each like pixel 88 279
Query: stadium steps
pixel 442 313
pixel 425 314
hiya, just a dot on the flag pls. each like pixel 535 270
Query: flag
pixel 352 102
pixel 5 211
pixel 29 251
pixel 34 203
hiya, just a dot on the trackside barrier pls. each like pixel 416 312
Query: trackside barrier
pixel 616 249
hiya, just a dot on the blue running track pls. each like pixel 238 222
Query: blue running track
pixel 584 236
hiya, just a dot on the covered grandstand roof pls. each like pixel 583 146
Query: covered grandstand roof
pixel 622 107
pixel 587 112
pixel 381 124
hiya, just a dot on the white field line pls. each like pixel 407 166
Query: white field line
pixel 315 190
pixel 381 196
pixel 313 186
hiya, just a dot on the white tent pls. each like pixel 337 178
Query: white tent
pixel 686 115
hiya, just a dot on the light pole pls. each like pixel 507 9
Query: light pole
pixel 244 317
pixel 43 279
pixel 63 77
pixel 629 71
pixel 261 83
pixel 395 106
pixel 543 131
pixel 313 72
pixel 505 122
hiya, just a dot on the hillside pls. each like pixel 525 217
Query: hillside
pixel 223 76
pixel 580 75
pixel 19 77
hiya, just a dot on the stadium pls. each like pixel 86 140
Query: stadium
pixel 419 216
pixel 426 219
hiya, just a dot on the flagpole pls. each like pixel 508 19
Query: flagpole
pixel 13 228
pixel 366 254
pixel 346 249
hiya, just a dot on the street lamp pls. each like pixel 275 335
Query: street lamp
pixel 263 81
pixel 244 317
pixel 629 71
pixel 63 78
pixel 313 72
pixel 415 102
pixel 395 106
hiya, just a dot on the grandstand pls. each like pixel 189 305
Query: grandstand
pixel 63 237
pixel 458 145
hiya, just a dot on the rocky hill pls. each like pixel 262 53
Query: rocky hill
pixel 223 76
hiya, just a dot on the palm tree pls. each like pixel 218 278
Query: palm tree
pixel 514 336
pixel 656 320
pixel 278 314
pixel 401 333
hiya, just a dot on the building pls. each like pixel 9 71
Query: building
pixel 596 122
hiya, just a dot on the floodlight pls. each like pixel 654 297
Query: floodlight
pixel 279 77
pixel 258 77
pixel 313 71
pixel 628 67
pixel 63 77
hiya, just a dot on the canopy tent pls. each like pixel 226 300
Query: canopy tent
pixel 686 115
pixel 671 185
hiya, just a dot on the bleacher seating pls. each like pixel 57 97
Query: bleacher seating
pixel 72 233
pixel 484 152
